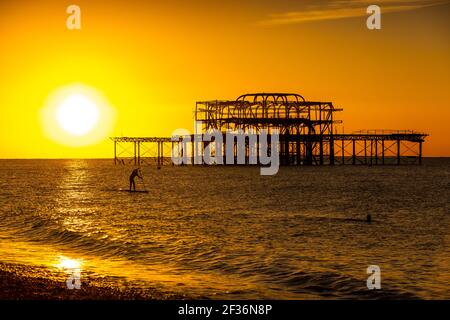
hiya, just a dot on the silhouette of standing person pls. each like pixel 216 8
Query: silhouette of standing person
pixel 133 175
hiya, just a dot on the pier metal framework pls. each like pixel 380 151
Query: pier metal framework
pixel 307 134
pixel 302 124
pixel 142 150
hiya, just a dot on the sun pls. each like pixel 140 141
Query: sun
pixel 77 115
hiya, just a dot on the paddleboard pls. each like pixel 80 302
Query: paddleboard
pixel 131 191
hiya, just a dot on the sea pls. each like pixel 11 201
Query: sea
pixel 226 232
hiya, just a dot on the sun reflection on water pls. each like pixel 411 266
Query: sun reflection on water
pixel 67 263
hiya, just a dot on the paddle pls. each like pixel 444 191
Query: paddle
pixel 142 179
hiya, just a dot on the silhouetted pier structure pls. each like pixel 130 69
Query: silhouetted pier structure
pixel 307 134
pixel 137 150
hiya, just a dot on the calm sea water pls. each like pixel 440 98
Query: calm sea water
pixel 227 232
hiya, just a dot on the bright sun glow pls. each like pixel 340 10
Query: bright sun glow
pixel 77 115
pixel 66 263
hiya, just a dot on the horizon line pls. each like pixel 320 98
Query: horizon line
pixel 112 158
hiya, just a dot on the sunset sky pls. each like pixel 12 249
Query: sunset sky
pixel 149 61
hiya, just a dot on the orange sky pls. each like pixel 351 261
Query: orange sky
pixel 152 60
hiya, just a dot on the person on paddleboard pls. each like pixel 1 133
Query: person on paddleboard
pixel 134 174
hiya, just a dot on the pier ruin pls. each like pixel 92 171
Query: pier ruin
pixel 307 134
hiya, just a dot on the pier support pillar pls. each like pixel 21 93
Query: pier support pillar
pixel 353 152
pixel 376 151
pixel 365 151
pixel 420 153
pixel 162 153
pixel 159 153
pixel 332 151
pixel 115 152
pixel 321 151
pixel 308 151
pixel 139 153
pixel 135 158
pixel 193 152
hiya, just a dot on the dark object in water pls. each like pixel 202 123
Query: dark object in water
pixel 134 191
pixel 369 218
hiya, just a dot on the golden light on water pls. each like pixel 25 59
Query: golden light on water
pixel 77 115
pixel 67 263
